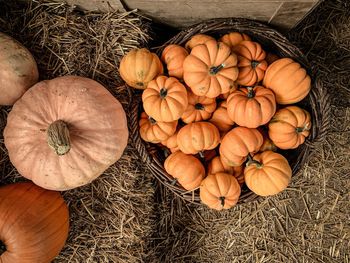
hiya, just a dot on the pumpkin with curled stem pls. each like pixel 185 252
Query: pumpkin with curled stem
pixel 187 170
pixel 289 127
pixel 197 40
pixel 139 66
pixel 18 70
pixel 216 166
pixel 173 56
pixel 153 131
pixel 221 119
pixel 199 108
pixel 65 132
pixel 234 38
pixel 34 223
pixel 210 69
pixel 165 99
pixel 219 191
pixel 267 173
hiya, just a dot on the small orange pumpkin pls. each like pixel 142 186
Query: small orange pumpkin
pixel 198 136
pixel 210 69
pixel 173 56
pixel 238 143
pixel 234 38
pixel 289 127
pixel 165 99
pixel 219 191
pixel 153 131
pixel 139 66
pixel 251 107
pixel 268 173
pixel 216 166
pixel 221 119
pixel 197 40
pixel 187 170
pixel 198 108
pixel 288 80
pixel 171 143
pixel 251 62
pixel 232 89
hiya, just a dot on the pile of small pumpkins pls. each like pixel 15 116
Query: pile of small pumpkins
pixel 222 110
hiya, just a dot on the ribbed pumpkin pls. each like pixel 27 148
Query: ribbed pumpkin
pixel 34 223
pixel 251 107
pixel 234 38
pixel 220 191
pixel 232 89
pixel 173 56
pixel 187 170
pixel 165 99
pixel 221 119
pixel 289 127
pixel 238 143
pixel 268 174
pixel 63 133
pixel 210 69
pixel 251 62
pixel 171 143
pixel 198 136
pixel 153 131
pixel 18 70
pixel 199 108
pixel 288 80
pixel 197 40
pixel 139 66
pixel 216 166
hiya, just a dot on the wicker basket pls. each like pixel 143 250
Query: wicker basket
pixel 317 102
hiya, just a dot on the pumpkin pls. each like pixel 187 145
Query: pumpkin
pixel 238 143
pixel 221 119
pixel 289 127
pixel 219 191
pixel 139 66
pixel 153 131
pixel 18 70
pixel 271 57
pixel 34 223
pixel 288 80
pixel 171 143
pixel 197 40
pixel 216 166
pixel 198 136
pixel 187 170
pixel 268 173
pixel 232 89
pixel 63 133
pixel 234 38
pixel 199 108
pixel 165 99
pixel 210 69
pixel 251 107
pixel 267 145
pixel 251 62
pixel 173 56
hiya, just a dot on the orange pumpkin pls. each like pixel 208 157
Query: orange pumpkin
pixel 234 38
pixel 198 108
pixel 139 66
pixel 173 56
pixel 18 70
pixel 238 143
pixel 187 170
pixel 63 133
pixel 210 69
pixel 251 107
pixel 153 131
pixel 34 223
pixel 216 166
pixel 171 143
pixel 198 136
pixel 165 99
pixel 197 40
pixel 232 89
pixel 289 127
pixel 251 63
pixel 267 145
pixel 267 174
pixel 220 191
pixel 221 119
pixel 288 80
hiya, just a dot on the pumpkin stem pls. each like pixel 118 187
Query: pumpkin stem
pixel 201 154
pixel 301 129
pixel 255 63
pixel 215 70
pixel 199 106
pixel 251 92
pixel 151 120
pixel 163 93
pixel 252 161
pixel 2 247
pixel 222 199
pixel 58 137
